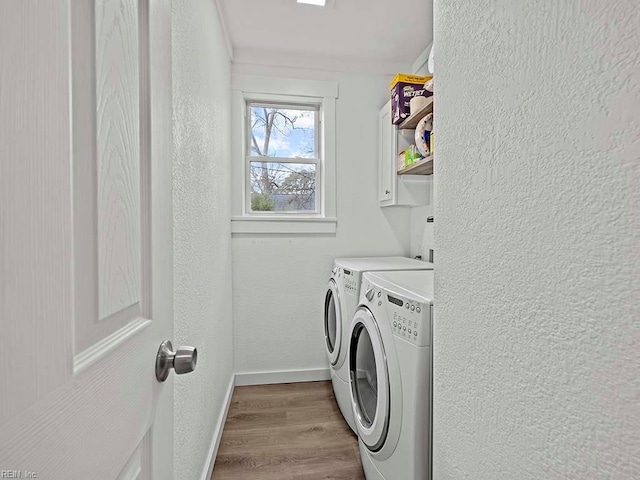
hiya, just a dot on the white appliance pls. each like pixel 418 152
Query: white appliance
pixel 390 366
pixel 341 302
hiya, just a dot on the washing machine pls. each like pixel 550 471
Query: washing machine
pixel 341 302
pixel 390 370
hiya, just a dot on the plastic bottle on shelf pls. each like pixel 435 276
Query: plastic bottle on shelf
pixel 431 142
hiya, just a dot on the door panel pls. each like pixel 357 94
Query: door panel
pixel 333 322
pixel 35 205
pixel 330 321
pixel 111 201
pixel 86 242
pixel 365 378
pixel 369 380
pixel 138 467
pixel 118 156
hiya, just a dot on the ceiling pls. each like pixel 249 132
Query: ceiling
pixel 358 30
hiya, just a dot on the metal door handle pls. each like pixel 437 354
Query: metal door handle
pixel 183 360
pixel 387 192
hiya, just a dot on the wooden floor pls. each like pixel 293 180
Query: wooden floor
pixel 287 431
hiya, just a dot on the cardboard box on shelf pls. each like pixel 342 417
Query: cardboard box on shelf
pixel 404 87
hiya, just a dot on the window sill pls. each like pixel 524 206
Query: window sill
pixel 279 225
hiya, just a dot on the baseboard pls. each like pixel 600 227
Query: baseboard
pixel 283 376
pixel 217 432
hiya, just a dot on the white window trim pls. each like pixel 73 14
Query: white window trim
pixel 252 88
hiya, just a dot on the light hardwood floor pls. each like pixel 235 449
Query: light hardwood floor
pixel 287 431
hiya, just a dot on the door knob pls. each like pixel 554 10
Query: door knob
pixel 183 360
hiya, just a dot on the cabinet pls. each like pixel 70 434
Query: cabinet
pixel 395 190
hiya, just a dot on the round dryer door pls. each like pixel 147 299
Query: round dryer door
pixel 369 379
pixel 332 322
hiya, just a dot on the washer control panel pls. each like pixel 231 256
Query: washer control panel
pixel 350 281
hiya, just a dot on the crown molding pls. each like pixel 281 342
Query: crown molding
pixel 225 30
pixel 317 62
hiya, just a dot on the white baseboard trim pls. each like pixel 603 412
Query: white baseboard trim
pixel 217 432
pixel 282 376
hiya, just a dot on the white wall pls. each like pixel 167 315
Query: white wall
pixel 203 309
pixel 421 232
pixel 279 282
pixel 538 240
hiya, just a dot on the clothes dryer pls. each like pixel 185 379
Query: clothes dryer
pixel 390 368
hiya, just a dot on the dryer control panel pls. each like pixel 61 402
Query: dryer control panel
pixel 409 320
pixel 402 300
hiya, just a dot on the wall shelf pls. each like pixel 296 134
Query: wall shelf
pixel 422 167
pixel 411 121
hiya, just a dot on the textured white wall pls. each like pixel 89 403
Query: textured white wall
pixel 537 200
pixel 279 282
pixel 203 309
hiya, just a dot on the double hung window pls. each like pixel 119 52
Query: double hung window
pixel 283 148
pixel 283 158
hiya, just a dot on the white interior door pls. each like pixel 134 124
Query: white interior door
pixel 85 238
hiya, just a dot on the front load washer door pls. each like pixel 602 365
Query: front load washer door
pixel 369 380
pixel 332 322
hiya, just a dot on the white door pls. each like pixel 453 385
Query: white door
pixel 85 238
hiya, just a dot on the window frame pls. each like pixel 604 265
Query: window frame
pixel 282 91
pixel 317 160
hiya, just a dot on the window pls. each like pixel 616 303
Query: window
pixel 283 158
pixel 283 155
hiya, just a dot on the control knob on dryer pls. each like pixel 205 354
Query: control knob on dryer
pixel 369 294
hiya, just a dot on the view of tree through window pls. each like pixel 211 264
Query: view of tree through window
pixel 283 164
